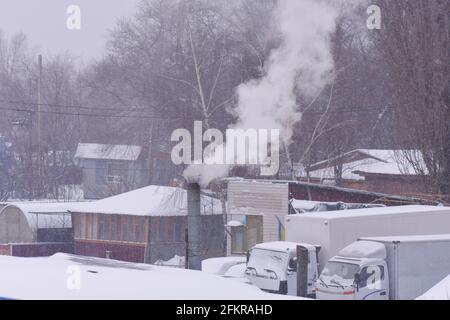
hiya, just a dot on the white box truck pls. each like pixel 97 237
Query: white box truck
pixel 328 232
pixel 333 230
pixel 381 268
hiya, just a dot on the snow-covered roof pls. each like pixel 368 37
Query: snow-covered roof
pixel 149 201
pixel 360 161
pixel 235 223
pixel 45 214
pixel 372 212
pixel 45 278
pixel 107 152
pixel 440 291
pixel 302 206
pixel 364 249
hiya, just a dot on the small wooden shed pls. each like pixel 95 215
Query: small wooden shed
pixel 145 226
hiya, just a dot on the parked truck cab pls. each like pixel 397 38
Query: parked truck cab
pixel 358 272
pixel 272 266
pixel 390 267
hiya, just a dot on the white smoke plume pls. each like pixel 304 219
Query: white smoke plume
pixel 300 67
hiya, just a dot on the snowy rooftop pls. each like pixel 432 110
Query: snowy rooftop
pixel 360 161
pixel 107 152
pixel 48 278
pixel 371 212
pixel 149 201
pixel 45 214
pixel 302 206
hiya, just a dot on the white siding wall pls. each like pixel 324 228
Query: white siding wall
pixel 264 198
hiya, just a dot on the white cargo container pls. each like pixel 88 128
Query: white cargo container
pixel 332 231
pixel 378 268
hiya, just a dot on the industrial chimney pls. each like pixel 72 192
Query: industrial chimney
pixel 194 256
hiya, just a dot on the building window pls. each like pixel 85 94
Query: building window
pixel 94 226
pixel 118 228
pixel 77 226
pixel 115 172
pixel 124 229
pixel 170 231
pixel 137 235
pixel 161 230
pixel 237 240
pixel 178 230
pixel 101 227
pixel 143 230
pixel 83 226
pixel 113 229
pixel 130 228
pixel 100 172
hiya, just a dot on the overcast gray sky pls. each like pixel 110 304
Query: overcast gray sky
pixel 44 22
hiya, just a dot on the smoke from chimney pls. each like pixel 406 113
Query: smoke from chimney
pixel 300 67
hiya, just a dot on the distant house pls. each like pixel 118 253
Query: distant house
pixel 387 171
pixel 145 225
pixel 35 228
pixel 111 169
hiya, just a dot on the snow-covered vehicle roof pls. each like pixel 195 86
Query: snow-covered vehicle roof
pixel 282 246
pixel 222 264
pixel 70 277
pixel 364 249
pixel 149 201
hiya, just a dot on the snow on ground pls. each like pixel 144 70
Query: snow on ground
pixel 176 261
pixel 56 277
pixel 440 291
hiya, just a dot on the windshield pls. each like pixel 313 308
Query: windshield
pixel 341 270
pixel 264 261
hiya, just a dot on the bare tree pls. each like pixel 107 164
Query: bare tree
pixel 415 46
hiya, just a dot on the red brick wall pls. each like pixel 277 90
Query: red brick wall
pixel 119 251
pixel 5 249
pixel 40 249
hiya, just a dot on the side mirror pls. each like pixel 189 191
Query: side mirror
pixel 248 255
pixel 357 280
pixel 292 265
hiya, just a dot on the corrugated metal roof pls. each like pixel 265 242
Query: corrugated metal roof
pixel 44 214
pixel 107 152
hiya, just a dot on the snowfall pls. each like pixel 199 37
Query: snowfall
pixel 70 277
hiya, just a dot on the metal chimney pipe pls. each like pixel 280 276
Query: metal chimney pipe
pixel 194 227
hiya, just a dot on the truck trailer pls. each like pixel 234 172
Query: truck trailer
pixel 334 230
pixel 323 234
pixel 381 268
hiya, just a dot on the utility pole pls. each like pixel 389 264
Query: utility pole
pixel 39 121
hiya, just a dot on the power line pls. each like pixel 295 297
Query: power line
pixel 134 109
